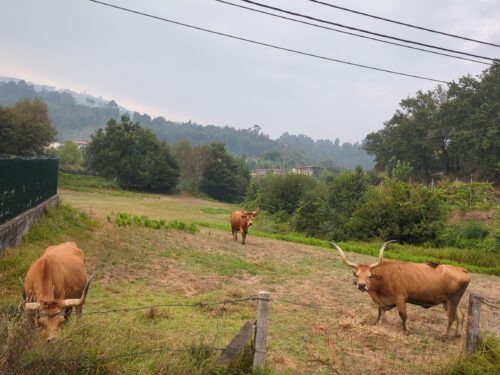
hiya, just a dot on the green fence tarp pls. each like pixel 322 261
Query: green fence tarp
pixel 25 183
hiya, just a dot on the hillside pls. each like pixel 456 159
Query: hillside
pixel 77 116
pixel 318 322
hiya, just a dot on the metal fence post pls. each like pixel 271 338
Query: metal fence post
pixel 259 359
pixel 474 314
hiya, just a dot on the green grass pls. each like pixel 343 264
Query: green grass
pixel 85 183
pixel 475 261
pixel 88 184
pixel 216 211
pixel 485 360
pixel 221 264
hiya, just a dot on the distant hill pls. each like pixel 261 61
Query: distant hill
pixel 77 115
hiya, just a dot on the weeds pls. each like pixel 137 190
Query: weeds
pixel 485 360
pixel 123 219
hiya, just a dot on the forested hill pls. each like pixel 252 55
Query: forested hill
pixel 77 118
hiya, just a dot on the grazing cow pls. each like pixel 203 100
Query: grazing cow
pixel 55 283
pixel 240 222
pixel 393 283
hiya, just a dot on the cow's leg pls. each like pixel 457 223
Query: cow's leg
pixel 451 309
pixel 235 235
pixel 78 310
pixel 401 305
pixel 380 313
pixel 243 237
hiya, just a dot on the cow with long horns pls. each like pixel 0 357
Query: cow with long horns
pixel 393 283
pixel 55 283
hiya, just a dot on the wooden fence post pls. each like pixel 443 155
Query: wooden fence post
pixel 259 359
pixel 474 313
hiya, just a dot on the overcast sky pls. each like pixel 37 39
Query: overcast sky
pixel 183 74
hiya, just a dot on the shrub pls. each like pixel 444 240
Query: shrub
pixel 400 211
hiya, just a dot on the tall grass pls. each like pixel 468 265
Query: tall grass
pixel 485 360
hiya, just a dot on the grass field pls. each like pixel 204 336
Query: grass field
pixel 319 323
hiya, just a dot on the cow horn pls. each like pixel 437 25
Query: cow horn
pixel 23 290
pixel 381 255
pixel 342 255
pixel 79 301
pixel 32 306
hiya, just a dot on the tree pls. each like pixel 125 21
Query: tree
pixel 25 128
pixel 223 177
pixel 133 155
pixel 70 155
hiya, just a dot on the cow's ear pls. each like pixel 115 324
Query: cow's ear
pixel 376 277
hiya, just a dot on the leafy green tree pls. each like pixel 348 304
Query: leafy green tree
pixel 25 128
pixel 70 155
pixel 133 155
pixel 454 131
pixel 402 170
pixel 223 178
pixel 397 210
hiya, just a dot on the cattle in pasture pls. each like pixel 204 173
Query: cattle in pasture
pixel 55 283
pixel 241 221
pixel 392 283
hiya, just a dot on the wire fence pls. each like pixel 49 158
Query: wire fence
pixel 335 336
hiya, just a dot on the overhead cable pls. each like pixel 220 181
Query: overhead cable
pixel 267 44
pixel 353 34
pixel 404 23
pixel 365 31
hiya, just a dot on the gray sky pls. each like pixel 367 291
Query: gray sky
pixel 182 74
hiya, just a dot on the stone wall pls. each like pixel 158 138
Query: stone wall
pixel 13 231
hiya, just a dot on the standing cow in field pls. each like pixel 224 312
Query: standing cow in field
pixel 240 222
pixel 55 283
pixel 393 283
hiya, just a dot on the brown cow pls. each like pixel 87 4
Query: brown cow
pixel 393 283
pixel 55 283
pixel 240 222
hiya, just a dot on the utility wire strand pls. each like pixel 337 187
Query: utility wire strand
pixel 269 45
pixel 404 23
pixel 365 31
pixel 349 33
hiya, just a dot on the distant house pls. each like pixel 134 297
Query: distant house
pixel 81 144
pixel 54 146
pixel 265 171
pixel 308 170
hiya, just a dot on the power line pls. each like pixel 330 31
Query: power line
pixel 365 31
pixel 269 45
pixel 349 33
pixel 404 23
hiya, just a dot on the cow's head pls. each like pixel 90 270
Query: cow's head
pixel 49 315
pixel 363 272
pixel 248 217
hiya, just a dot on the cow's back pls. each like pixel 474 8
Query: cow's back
pixel 59 273
pixel 420 282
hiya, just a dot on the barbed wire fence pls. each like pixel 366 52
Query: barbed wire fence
pixel 253 333
pixel 337 336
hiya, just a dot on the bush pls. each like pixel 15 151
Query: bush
pixel 400 211
pixel 280 193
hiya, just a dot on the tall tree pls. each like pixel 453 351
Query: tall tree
pixel 134 156
pixel 223 178
pixel 25 128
